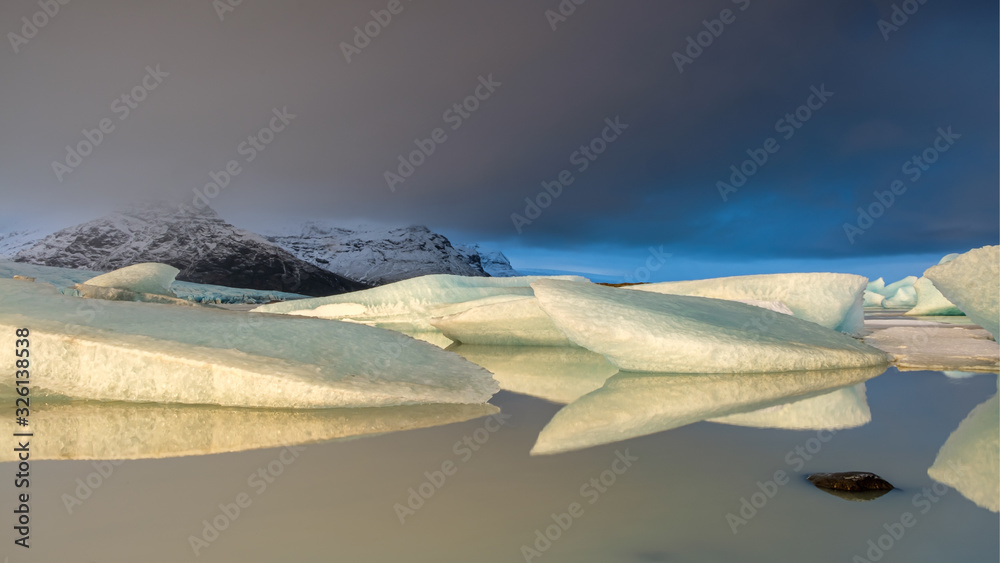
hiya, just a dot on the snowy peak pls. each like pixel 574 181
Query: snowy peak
pixel 198 242
pixel 378 255
pixel 493 263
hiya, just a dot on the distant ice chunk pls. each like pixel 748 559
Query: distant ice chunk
pixel 972 283
pixel 930 301
pixel 635 404
pixel 140 352
pixel 831 300
pixel 891 289
pixel 840 409
pixel 969 461
pixel 149 277
pixel 873 299
pixel 876 286
pixel 559 375
pixel 409 304
pixel 109 431
pixel 642 331
pixel 517 322
pixel 904 298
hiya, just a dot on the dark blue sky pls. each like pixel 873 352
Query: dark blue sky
pixel 654 185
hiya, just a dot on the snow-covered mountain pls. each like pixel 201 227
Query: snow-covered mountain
pixel 13 242
pixel 378 256
pixel 205 248
pixel 494 263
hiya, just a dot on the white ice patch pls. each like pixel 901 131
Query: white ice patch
pixel 409 304
pixel 972 283
pixel 517 322
pixel 108 350
pixel 831 300
pixel 633 404
pixel 642 331
pixel 150 278
pixel 969 461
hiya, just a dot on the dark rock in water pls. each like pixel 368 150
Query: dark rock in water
pixel 852 485
pixel 851 481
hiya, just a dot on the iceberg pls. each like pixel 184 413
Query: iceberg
pixel 409 304
pixel 876 286
pixel 144 352
pixel 110 431
pixel 930 301
pixel 891 289
pixel 638 404
pixel 149 278
pixel 558 375
pixel 972 283
pixel 831 300
pixel 839 410
pixel 643 331
pixel 904 298
pixel 514 322
pixel 969 461
pixel 873 299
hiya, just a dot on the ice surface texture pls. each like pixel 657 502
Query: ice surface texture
pixel 831 300
pixel 972 283
pixel 642 331
pixel 516 322
pixel 638 404
pixel 109 350
pixel 970 460
pixel 149 277
pixel 410 304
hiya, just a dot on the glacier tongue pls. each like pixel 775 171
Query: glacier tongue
pixel 638 404
pixel 643 331
pixel 972 282
pixel 155 353
pixel 831 300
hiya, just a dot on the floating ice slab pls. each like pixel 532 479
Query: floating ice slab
pixel 515 322
pixel 634 404
pixel 116 294
pixel 149 277
pixel 409 304
pixel 904 298
pixel 919 345
pixel 107 431
pixel 831 300
pixel 109 350
pixel 559 375
pixel 642 331
pixel 930 301
pixel 972 283
pixel 970 460
pixel 843 408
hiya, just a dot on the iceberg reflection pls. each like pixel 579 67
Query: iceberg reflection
pixel 637 404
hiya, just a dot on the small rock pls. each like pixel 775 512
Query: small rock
pixel 24 278
pixel 851 481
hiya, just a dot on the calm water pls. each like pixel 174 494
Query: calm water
pixel 337 501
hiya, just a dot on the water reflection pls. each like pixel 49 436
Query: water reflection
pixel 560 375
pixel 838 410
pixel 969 461
pixel 637 404
pixel 106 431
